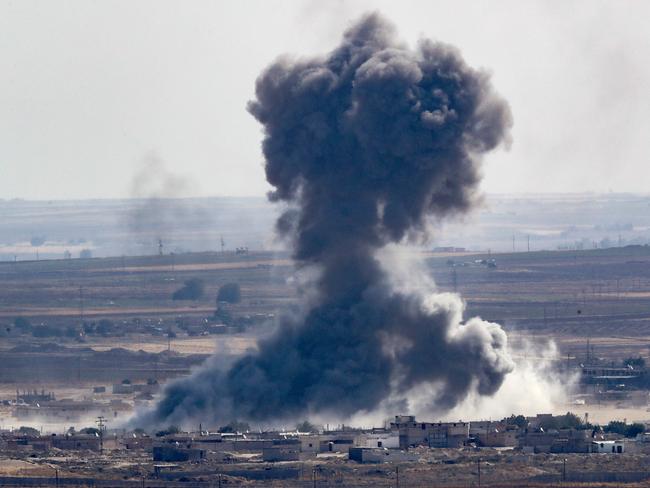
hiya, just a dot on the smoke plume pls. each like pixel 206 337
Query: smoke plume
pixel 365 145
pixel 159 210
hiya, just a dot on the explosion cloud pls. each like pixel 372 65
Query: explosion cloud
pixel 365 145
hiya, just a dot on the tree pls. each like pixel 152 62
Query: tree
pixel 618 427
pixel 638 362
pixel 634 429
pixel 193 289
pixel 518 420
pixel 229 293
pixel 567 421
pixel 105 327
pixel 23 324
pixel 30 431
pixel 90 431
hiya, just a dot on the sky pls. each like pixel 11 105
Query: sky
pixel 91 92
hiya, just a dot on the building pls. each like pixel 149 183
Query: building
pixel 494 434
pixel 611 447
pixel 440 434
pixel 173 453
pixel 282 453
pixel 76 442
pixel 556 441
pixel 377 455
pixel 387 440
pixel 123 389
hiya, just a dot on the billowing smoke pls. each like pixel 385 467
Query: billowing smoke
pixel 365 145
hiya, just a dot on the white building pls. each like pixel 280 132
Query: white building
pixel 611 447
pixel 387 440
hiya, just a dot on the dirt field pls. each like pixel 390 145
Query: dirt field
pixel 568 297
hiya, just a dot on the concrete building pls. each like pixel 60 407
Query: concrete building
pixel 76 442
pixel 328 442
pixel 172 453
pixel 377 455
pixel 123 389
pixel 282 453
pixel 556 441
pixel 494 434
pixel 609 447
pixel 387 440
pixel 440 434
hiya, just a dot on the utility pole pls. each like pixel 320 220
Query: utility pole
pixel 101 423
pixel 397 476
pixel 528 242
pixel 564 469
pixel 478 466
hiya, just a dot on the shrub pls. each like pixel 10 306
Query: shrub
pixel 23 324
pixel 618 427
pixel 105 327
pixel 46 331
pixel 518 420
pixel 70 331
pixel 637 362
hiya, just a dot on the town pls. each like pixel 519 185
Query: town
pixel 553 448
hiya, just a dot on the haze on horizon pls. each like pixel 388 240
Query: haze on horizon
pixel 91 89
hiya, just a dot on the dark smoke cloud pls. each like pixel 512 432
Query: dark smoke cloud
pixel 365 144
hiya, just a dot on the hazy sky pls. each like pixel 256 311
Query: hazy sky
pixel 89 90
